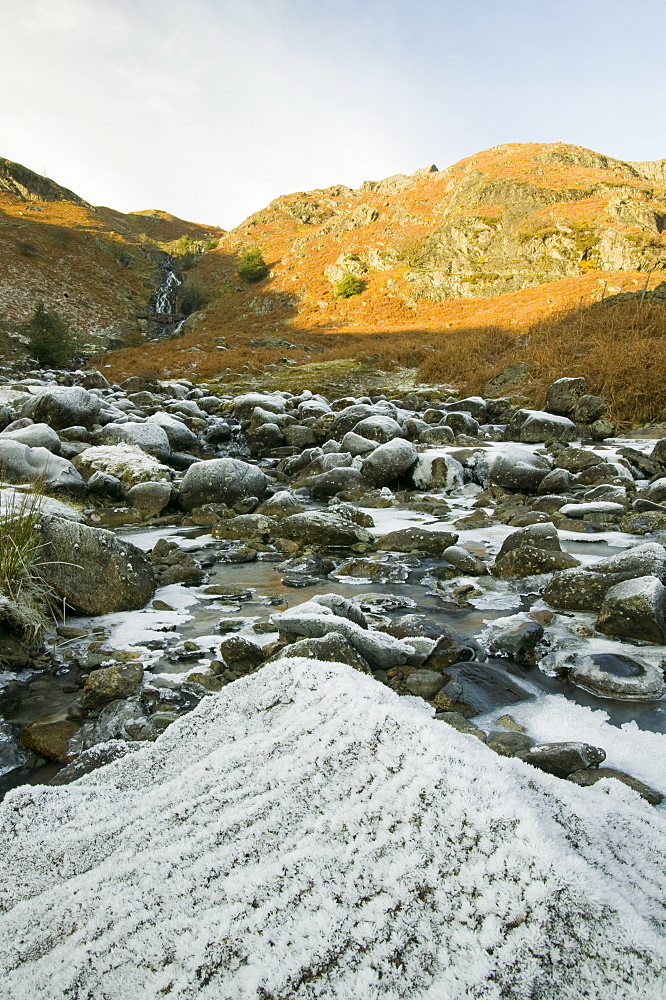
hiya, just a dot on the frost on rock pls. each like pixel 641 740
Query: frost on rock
pixel 127 462
pixel 305 833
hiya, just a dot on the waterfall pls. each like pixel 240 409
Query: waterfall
pixel 164 317
pixel 165 296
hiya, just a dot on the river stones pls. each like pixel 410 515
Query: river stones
pixel 610 675
pixel 379 428
pixel 532 550
pixel 35 436
pixel 512 467
pixel 475 688
pixel 63 406
pixel 93 570
pixel 22 464
pixel 128 463
pixel 179 436
pixel 562 395
pixel 563 759
pixel 149 437
pixel 635 609
pixel 322 528
pixel 50 739
pixel 417 539
pixel 389 462
pixel 221 480
pixel 424 683
pixel 110 683
pixel 330 648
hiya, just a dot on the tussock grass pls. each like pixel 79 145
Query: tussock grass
pixel 25 600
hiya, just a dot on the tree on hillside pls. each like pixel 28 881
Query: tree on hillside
pixel 50 340
pixel 251 265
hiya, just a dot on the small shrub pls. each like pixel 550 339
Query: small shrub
pixel 192 298
pixel 251 265
pixel 49 338
pixel 26 249
pixel 348 286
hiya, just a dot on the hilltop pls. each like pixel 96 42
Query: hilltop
pixel 97 267
pixel 507 252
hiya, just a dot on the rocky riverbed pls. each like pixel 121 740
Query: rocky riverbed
pixel 341 697
pixel 469 552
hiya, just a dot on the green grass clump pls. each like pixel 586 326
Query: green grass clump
pixel 251 265
pixel 26 601
pixel 348 286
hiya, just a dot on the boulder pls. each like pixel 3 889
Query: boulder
pixel 576 459
pixel 441 434
pixel 63 406
pixel 562 759
pixel 179 436
pixel 244 406
pixel 239 652
pixel 579 589
pixel 35 436
pixel 149 437
pixel 93 570
pixel 641 560
pixel 417 539
pixel 50 739
pixel 281 505
pixel 331 648
pixel 480 687
pixel 590 776
pixel 635 609
pixel 124 462
pixel 322 528
pixel 347 418
pixel 588 409
pixel 562 395
pixel 534 426
pixel 329 484
pixel 21 464
pixel 379 428
pixel 658 453
pixel 609 675
pixel 438 471
pixel 531 561
pixel 389 462
pixel 110 683
pixel 150 498
pixel 462 423
pixel 357 445
pixel 424 683
pixel 221 480
pixel 513 468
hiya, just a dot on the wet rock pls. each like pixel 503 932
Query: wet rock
pixel 563 759
pixel 530 561
pixel 610 675
pixel 557 481
pixel 579 589
pixel 417 539
pixel 480 687
pixel 92 569
pixel 509 744
pixel 424 683
pixel 322 528
pixel 22 464
pixel 244 526
pixel 562 395
pixel 463 725
pixel 239 652
pixel 13 654
pixel 515 637
pixel 111 683
pixel 50 739
pixel 331 648
pixel 450 649
pixel 90 760
pixel 221 480
pixel 148 436
pixel 464 561
pixel 590 776
pixel 63 406
pixel 377 570
pixel 635 609
pixel 389 462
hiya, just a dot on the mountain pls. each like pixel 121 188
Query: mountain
pixel 97 267
pixel 500 259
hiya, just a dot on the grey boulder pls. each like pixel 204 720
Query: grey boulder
pixel 22 464
pixel 63 406
pixel 389 462
pixel 221 480
pixel 151 438
pixel 635 609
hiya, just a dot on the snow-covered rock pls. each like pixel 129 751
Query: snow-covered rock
pixel 307 833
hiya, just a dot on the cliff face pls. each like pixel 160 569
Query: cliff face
pixel 507 219
pixel 98 268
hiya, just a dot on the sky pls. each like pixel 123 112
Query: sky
pixel 209 109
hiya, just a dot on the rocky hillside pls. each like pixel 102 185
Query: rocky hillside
pixel 98 268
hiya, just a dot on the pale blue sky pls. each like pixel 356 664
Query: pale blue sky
pixel 210 108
